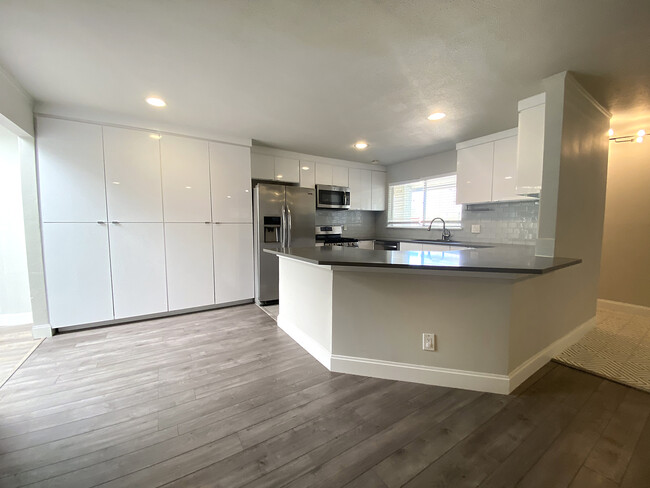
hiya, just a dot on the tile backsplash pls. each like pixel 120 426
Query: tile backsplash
pixel 359 224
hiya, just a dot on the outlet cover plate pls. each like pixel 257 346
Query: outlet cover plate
pixel 428 342
pixel 476 228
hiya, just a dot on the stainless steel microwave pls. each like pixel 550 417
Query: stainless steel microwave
pixel 337 197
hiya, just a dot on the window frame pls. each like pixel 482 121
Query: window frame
pixel 454 224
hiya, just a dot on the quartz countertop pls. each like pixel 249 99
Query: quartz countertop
pixel 498 259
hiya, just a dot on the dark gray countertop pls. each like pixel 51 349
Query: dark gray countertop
pixel 499 259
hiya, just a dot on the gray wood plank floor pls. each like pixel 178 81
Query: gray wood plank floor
pixel 225 398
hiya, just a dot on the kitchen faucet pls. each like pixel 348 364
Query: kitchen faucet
pixel 446 235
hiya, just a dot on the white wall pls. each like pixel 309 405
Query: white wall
pixel 15 105
pixel 14 282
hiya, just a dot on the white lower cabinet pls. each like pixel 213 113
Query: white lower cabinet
pixel 77 273
pixel 138 265
pixel 233 262
pixel 410 246
pixel 190 279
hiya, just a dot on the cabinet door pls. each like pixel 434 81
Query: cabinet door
pixel 287 170
pixel 505 171
pixel 186 179
pixel 436 247
pixel 77 273
pixel 378 190
pixel 340 176
pixel 133 184
pixel 71 171
pixel 262 167
pixel 188 253
pixel 233 262
pixel 530 150
pixel 360 189
pixel 230 173
pixel 474 174
pixel 307 174
pixel 410 246
pixel 138 265
pixel 366 244
pixel 323 174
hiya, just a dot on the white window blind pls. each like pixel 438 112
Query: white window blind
pixel 414 204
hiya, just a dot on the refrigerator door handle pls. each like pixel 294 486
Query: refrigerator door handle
pixel 288 226
pixel 283 226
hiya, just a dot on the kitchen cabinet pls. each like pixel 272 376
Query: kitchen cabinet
pixel 409 246
pixel 367 244
pixel 474 173
pixel 360 189
pixel 133 182
pixel 71 171
pixel 323 174
pixel 340 176
pixel 307 174
pixel 436 247
pixel 77 273
pixel 188 257
pixel 185 168
pixel 262 167
pixel 230 173
pixel 378 190
pixel 504 171
pixel 287 170
pixel 530 151
pixel 137 253
pixel 233 262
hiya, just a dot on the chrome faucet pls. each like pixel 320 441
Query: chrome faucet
pixel 446 235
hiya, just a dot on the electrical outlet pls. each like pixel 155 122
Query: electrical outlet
pixel 476 228
pixel 429 342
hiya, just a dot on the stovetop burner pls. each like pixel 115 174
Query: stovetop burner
pixel 330 235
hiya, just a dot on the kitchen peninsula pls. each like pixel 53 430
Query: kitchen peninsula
pixel 365 312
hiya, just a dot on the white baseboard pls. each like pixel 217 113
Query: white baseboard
pixel 41 331
pixel 320 353
pixel 526 369
pixel 624 307
pixel 428 375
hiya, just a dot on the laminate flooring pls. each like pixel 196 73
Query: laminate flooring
pixel 225 398
pixel 16 342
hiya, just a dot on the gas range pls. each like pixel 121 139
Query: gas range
pixel 331 235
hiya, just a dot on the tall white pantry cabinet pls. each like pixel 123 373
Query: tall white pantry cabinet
pixel 135 223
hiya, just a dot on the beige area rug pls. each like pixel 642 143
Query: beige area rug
pixel 618 349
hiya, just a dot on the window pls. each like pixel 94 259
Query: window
pixel 415 203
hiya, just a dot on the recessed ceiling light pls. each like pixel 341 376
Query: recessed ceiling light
pixel 360 145
pixel 155 136
pixel 156 102
pixel 305 168
pixel 639 139
pixel 437 116
pixel 641 133
pixel 611 132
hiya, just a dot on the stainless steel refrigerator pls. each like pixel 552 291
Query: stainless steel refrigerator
pixel 285 216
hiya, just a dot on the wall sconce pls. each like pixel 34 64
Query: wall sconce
pixel 638 137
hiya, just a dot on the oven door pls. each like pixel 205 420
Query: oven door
pixel 332 197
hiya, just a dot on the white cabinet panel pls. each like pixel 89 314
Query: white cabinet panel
pixel 71 171
pixel 190 279
pixel 474 174
pixel 307 174
pixel 262 167
pixel 360 189
pixel 323 174
pixel 133 184
pixel 378 190
pixel 366 244
pixel 185 169
pixel 230 170
pixel 287 170
pixel 436 247
pixel 505 171
pixel 340 176
pixel 530 152
pixel 233 262
pixel 77 272
pixel 410 246
pixel 138 264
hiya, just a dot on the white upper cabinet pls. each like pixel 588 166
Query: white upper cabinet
pixel 77 273
pixel 133 183
pixel 323 174
pixel 307 174
pixel 504 172
pixel 287 170
pixel 262 167
pixel 340 176
pixel 232 200
pixel 474 174
pixel 530 152
pixel 138 269
pixel 378 190
pixel 360 189
pixel 186 179
pixel 233 262
pixel 71 171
